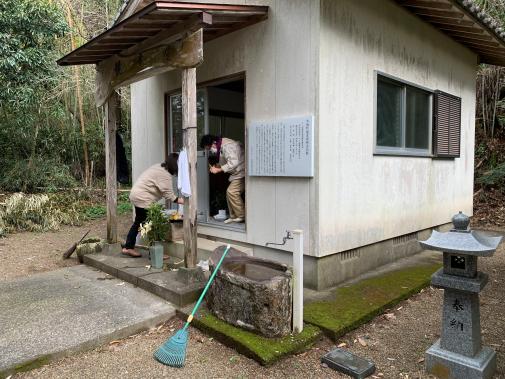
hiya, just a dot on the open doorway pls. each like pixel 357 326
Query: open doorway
pixel 220 112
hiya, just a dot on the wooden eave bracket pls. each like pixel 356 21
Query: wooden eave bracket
pixel 119 71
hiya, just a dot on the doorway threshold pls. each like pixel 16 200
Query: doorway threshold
pixel 235 226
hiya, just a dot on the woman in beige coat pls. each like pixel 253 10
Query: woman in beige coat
pixel 154 184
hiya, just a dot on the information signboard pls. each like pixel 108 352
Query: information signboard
pixel 283 147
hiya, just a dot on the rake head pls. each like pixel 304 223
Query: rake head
pixel 173 352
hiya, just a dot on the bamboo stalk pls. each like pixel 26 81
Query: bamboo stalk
pixel 76 69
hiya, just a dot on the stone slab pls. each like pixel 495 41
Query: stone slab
pixel 348 363
pixel 447 365
pixel 54 314
pixel 474 285
pixel 165 284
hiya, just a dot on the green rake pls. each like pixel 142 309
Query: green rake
pixel 173 351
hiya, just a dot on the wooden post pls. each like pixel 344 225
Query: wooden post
pixel 112 116
pixel 189 140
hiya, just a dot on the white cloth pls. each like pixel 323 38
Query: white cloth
pixel 183 175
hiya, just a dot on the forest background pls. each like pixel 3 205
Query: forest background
pixel 52 134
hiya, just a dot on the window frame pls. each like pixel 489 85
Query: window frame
pixel 402 151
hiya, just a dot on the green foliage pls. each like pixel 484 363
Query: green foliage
pixel 493 177
pixel 98 211
pixel 95 211
pixel 28 30
pixel 156 226
pixel 41 142
pixel 124 208
pixel 32 176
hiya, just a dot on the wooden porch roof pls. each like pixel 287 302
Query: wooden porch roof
pixel 466 23
pixel 162 22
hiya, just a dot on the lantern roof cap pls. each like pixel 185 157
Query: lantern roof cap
pixel 462 240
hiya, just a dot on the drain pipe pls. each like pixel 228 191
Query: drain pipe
pixel 298 281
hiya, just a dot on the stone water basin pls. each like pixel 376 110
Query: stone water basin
pixel 252 293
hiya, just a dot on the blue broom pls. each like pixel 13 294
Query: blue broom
pixel 173 351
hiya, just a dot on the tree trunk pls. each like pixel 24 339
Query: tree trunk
pixel 76 68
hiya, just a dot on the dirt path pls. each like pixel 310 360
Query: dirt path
pixel 27 253
pixel 395 342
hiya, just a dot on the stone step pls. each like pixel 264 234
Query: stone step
pixel 172 286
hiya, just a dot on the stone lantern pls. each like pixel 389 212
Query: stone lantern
pixel 459 353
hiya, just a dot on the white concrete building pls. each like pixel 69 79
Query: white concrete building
pixel 393 157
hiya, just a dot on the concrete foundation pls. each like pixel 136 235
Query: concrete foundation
pixel 326 272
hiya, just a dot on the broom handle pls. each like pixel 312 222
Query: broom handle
pixel 190 317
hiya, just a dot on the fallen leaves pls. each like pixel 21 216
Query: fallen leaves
pixel 390 316
pixel 341 345
pixel 420 360
pixel 362 342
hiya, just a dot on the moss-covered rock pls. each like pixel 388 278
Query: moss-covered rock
pixel 358 303
pixel 89 246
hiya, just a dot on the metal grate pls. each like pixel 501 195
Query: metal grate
pixel 405 238
pixel 350 254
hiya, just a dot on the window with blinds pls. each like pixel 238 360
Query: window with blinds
pixel 447 125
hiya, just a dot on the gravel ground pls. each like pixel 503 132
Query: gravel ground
pixel 395 341
pixel 27 253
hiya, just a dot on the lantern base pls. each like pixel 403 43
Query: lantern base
pixel 448 365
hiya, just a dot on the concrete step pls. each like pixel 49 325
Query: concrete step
pixel 169 285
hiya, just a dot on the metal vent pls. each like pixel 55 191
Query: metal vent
pixel 349 254
pixel 405 238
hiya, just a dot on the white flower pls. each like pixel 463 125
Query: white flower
pixel 145 228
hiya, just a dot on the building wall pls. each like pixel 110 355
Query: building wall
pixel 364 198
pixel 147 118
pixel 280 60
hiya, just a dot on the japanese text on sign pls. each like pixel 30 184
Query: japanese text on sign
pixel 281 148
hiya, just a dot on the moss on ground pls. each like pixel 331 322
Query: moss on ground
pixel 264 350
pixel 358 303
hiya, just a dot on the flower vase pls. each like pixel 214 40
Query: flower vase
pixel 156 254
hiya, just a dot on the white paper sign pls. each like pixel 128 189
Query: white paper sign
pixel 281 148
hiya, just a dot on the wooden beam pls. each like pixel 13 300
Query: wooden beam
pixel 476 37
pixel 425 4
pixel 191 25
pixel 112 117
pixel 115 72
pixel 437 13
pixel 455 28
pixel 478 42
pixel 447 21
pixel 189 129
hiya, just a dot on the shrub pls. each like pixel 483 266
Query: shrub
pixel 156 226
pixel 494 176
pixel 36 213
